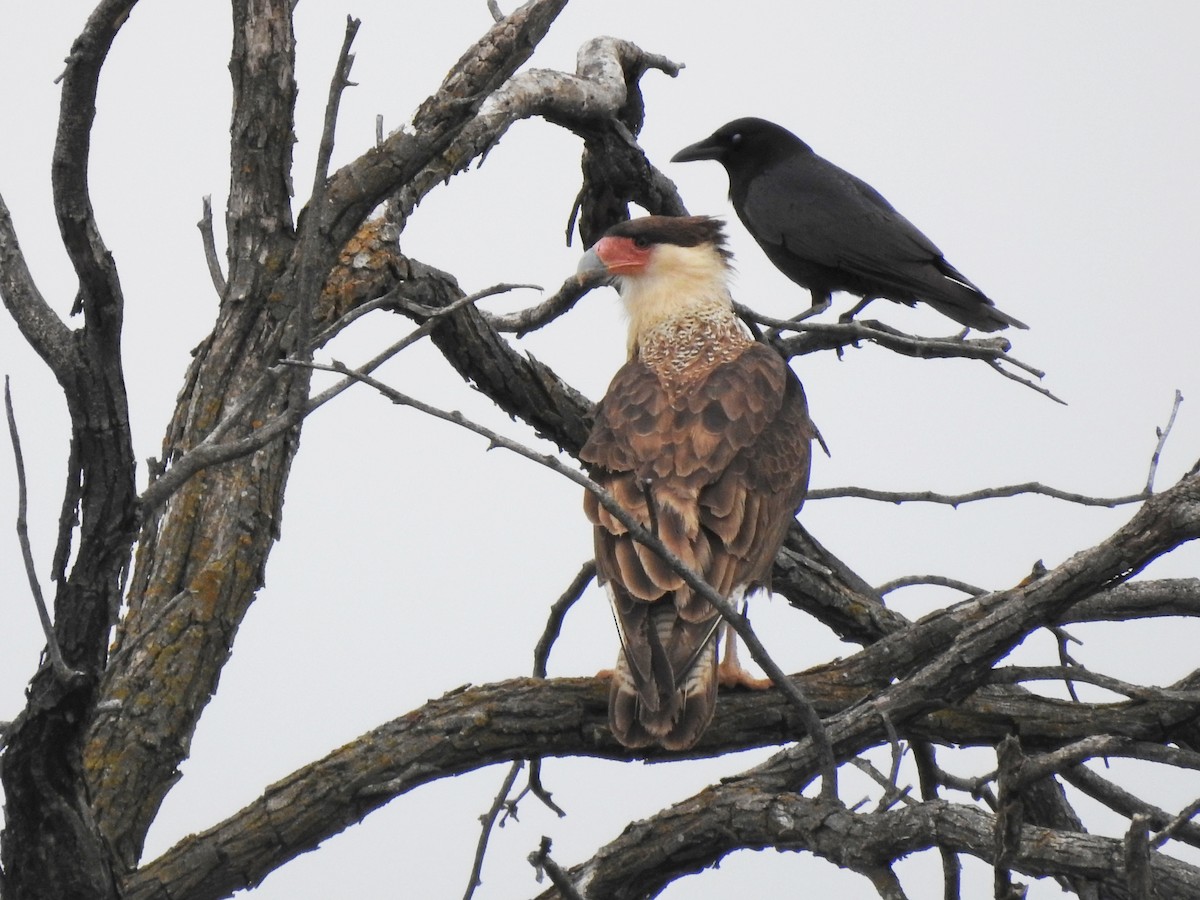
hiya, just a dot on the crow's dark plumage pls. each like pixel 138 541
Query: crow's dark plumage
pixel 830 231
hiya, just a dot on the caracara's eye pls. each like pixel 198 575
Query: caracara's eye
pixel 641 242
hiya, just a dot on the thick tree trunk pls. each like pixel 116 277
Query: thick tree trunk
pixel 202 555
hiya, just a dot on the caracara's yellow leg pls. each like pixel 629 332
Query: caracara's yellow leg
pixel 730 672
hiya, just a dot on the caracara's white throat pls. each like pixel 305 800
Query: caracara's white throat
pixel 676 282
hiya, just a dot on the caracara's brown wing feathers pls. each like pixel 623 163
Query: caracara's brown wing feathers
pixel 716 463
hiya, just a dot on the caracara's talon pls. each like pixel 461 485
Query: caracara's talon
pixel 740 678
pixel 730 673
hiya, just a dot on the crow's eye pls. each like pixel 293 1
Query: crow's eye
pixel 735 138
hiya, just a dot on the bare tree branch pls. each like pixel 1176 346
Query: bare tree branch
pixel 1138 872
pixel 568 717
pixel 1011 490
pixel 487 822
pixel 1176 824
pixel 593 95
pixel 407 155
pixel 44 794
pixel 215 449
pixel 558 612
pixel 205 225
pixel 61 669
pixel 541 861
pixel 956 500
pixel 819 336
pixel 1018 674
pixel 339 82
pixel 1123 802
pixel 1157 522
pixel 99 297
pixel 541 654
pixel 533 318
pixel 706 828
pixel 939 580
pixel 45 331
pixel 1163 434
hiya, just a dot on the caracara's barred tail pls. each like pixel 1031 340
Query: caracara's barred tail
pixel 664 687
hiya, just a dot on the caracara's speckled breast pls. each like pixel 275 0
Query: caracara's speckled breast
pixel 684 349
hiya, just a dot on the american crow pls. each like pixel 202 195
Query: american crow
pixel 829 231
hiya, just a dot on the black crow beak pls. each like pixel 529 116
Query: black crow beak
pixel 705 149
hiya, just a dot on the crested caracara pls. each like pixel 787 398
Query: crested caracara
pixel 704 438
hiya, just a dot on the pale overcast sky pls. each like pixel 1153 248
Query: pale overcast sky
pixel 1049 149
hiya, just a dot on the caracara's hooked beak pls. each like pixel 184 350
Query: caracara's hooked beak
pixel 592 270
pixel 611 257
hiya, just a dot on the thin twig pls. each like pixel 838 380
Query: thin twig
pixel 214 449
pixel 1162 440
pixel 340 324
pixel 889 797
pixel 1184 818
pixel 814 336
pixel 1019 674
pixel 541 654
pixel 540 860
pixel 976 787
pixel 1045 392
pixel 1008 490
pixel 494 9
pixel 541 658
pixel 561 301
pixel 538 789
pixel 892 793
pixel 558 612
pixel 1126 804
pixel 337 84
pixel 956 500
pixel 488 821
pixel 1065 661
pixel 62 671
pixel 210 246
pixel 312 272
pixel 808 715
pixel 940 581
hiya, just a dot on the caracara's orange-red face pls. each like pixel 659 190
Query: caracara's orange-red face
pixel 623 255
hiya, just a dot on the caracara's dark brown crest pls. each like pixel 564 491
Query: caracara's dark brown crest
pixel 682 231
pixel 704 438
